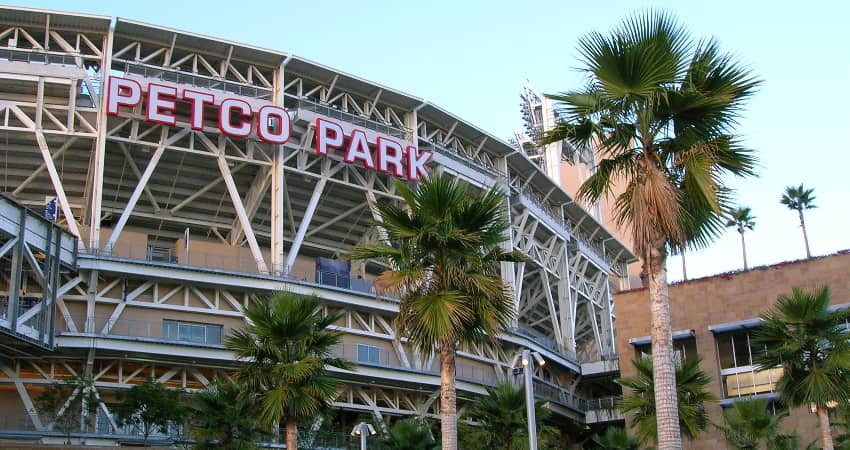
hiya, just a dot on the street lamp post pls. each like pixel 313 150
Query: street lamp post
pixel 527 370
pixel 363 429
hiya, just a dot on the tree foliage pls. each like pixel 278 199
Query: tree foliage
pixel 615 438
pixel 692 396
pixel 811 343
pixel 63 404
pixel 798 198
pixel 409 434
pixel 150 407
pixel 287 346
pixel 741 219
pixel 500 421
pixel 224 415
pixel 443 247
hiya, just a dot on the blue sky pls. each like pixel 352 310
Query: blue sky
pixel 472 58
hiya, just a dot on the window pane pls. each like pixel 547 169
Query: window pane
pixel 183 332
pixel 374 355
pixel 198 334
pixel 742 349
pixel 362 353
pixel 169 330
pixel 213 335
pixel 724 351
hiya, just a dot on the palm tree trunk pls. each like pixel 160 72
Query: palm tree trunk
pixel 291 435
pixel 805 235
pixel 664 372
pixel 744 250
pixel 825 431
pixel 684 266
pixel 448 396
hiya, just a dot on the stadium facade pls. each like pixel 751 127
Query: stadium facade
pixel 162 178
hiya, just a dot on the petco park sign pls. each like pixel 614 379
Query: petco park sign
pixel 240 118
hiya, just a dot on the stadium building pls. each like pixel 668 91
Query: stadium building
pixel 155 180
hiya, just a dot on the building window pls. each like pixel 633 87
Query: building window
pixel 682 350
pixel 368 354
pixel 198 333
pixel 741 377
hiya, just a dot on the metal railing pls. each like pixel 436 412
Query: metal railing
pixel 35 56
pixel 468 159
pixel 230 260
pixel 354 119
pixel 180 77
pixel 602 403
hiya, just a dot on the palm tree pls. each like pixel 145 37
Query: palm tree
pixel 615 438
pixel 742 219
pixel 224 416
pixel 287 346
pixel 691 395
pixel 408 434
pixel 798 199
pixel 810 342
pixel 444 251
pixel 501 421
pixel 660 109
pixel 749 425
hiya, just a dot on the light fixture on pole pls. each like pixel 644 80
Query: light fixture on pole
pixel 363 429
pixel 527 370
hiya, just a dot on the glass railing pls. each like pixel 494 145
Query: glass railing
pixel 120 66
pixel 354 119
pixel 35 56
pixel 466 158
pixel 229 260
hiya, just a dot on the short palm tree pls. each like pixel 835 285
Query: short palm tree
pixel 615 438
pixel 742 219
pixel 811 344
pixel 750 426
pixel 224 416
pixel 691 395
pixel 501 422
pixel 409 434
pixel 798 198
pixel 287 348
pixel 659 108
pixel 444 250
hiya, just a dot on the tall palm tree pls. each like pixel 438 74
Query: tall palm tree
pixel 742 219
pixel 287 346
pixel 224 416
pixel 811 344
pixel 501 421
pixel 660 109
pixel 444 250
pixel 691 396
pixel 799 199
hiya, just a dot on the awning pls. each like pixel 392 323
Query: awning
pixel 735 326
pixel 677 335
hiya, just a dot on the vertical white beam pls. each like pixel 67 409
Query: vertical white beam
pixel 278 202
pixel 565 301
pixel 100 148
pixel 305 223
